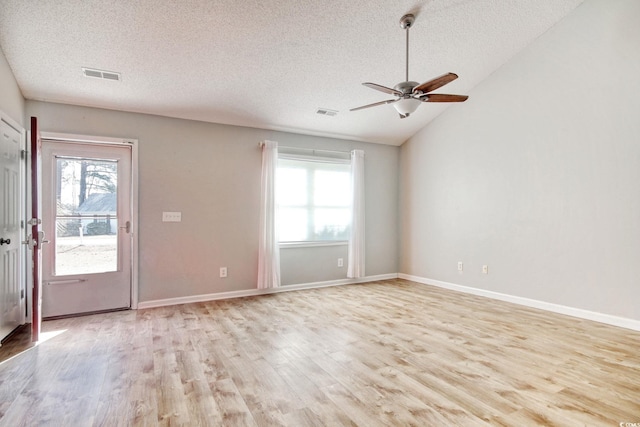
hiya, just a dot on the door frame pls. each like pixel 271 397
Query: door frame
pixel 130 142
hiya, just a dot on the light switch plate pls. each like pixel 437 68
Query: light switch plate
pixel 171 216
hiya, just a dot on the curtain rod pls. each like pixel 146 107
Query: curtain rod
pixel 314 150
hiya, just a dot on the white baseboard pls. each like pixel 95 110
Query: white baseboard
pixel 622 322
pixel 253 292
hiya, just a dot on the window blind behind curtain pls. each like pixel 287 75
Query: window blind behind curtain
pixel 310 154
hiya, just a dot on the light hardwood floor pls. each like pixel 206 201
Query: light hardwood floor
pixel 380 354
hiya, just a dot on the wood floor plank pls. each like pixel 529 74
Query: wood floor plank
pixel 173 407
pixel 234 409
pixel 384 353
pixel 202 407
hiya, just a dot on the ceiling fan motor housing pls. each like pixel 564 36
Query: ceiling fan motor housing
pixel 407 104
pixel 406 88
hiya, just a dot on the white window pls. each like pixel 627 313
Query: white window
pixel 314 198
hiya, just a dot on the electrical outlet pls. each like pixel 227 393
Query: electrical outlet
pixel 460 265
pixel 340 262
pixel 485 269
pixel 223 271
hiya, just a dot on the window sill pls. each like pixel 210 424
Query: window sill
pixel 291 245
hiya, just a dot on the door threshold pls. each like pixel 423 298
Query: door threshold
pixel 87 313
pixel 18 330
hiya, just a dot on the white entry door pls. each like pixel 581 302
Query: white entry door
pixel 12 307
pixel 86 205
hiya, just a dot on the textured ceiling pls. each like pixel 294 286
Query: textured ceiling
pixel 265 64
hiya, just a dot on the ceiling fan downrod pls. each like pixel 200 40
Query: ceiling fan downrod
pixel 405 23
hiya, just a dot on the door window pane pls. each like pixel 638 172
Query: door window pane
pixel 86 216
pixel 79 252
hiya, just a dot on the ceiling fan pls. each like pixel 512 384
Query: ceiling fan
pixel 409 94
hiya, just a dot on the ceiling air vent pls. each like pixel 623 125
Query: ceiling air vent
pixel 326 112
pixel 101 74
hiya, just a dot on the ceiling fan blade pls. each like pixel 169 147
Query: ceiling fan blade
pixel 441 97
pixel 436 83
pixel 383 89
pixel 375 104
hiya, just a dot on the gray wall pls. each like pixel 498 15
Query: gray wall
pixel 211 173
pixel 11 100
pixel 537 174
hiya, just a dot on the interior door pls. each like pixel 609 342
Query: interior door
pixel 11 289
pixel 86 202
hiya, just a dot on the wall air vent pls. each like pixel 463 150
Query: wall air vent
pixel 326 112
pixel 101 74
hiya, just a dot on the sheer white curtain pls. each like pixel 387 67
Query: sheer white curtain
pixel 269 250
pixel 355 267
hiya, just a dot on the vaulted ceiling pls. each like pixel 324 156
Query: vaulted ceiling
pixel 265 64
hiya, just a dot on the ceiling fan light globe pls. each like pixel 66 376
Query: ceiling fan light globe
pixel 406 106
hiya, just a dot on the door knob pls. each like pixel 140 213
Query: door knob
pixel 4 241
